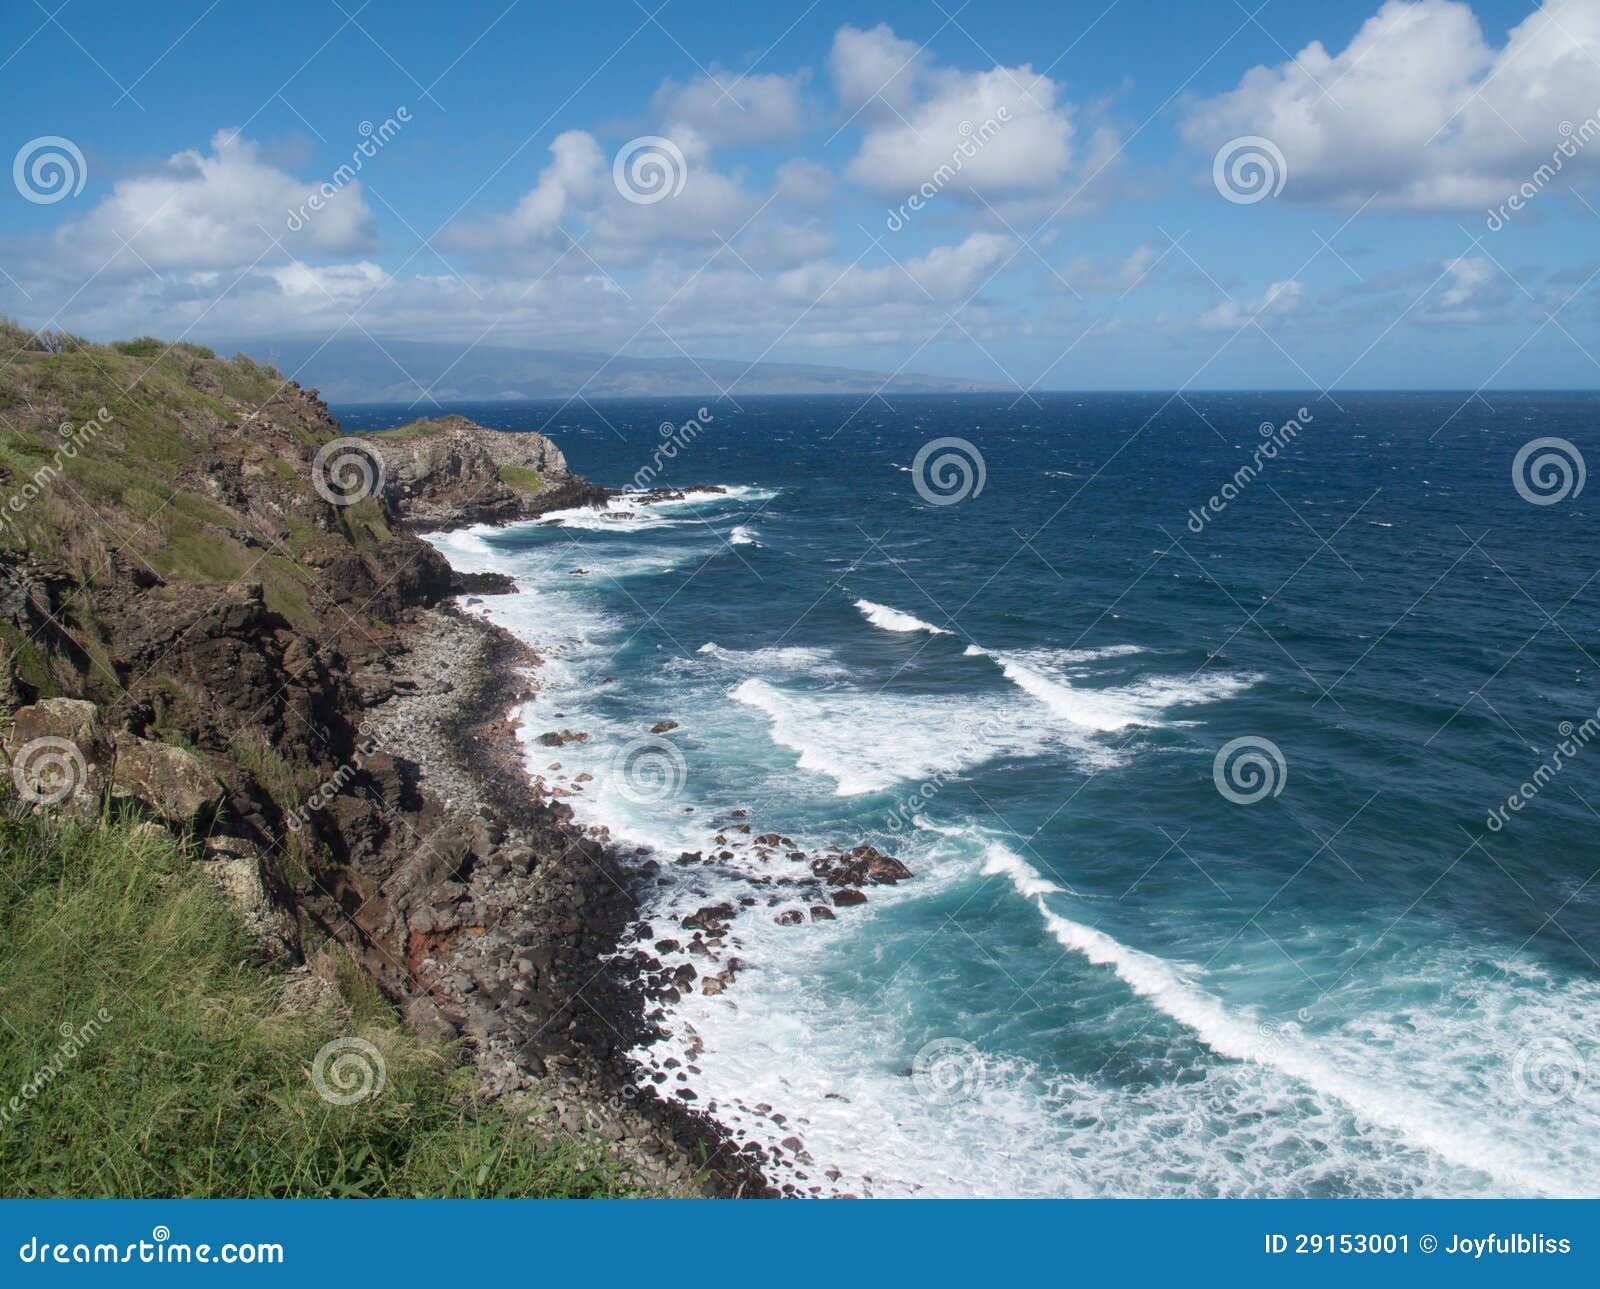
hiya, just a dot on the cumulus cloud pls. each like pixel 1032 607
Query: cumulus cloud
pixel 1011 128
pixel 570 180
pixel 576 199
pixel 217 210
pixel 1278 301
pixel 1420 111
pixel 725 109
pixel 1471 285
pixel 945 275
pixel 1116 273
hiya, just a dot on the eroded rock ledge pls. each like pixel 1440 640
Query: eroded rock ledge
pixel 452 472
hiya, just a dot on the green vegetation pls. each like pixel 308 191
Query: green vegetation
pixel 521 478
pixel 411 430
pixel 81 488
pixel 181 1065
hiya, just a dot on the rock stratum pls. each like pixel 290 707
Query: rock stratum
pixel 191 628
pixel 450 472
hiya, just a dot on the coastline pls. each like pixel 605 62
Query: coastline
pixel 698 904
pixel 526 962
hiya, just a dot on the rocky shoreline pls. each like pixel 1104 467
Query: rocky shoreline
pixel 692 941
pixel 519 956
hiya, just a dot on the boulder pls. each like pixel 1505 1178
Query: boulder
pixel 57 750
pixel 170 782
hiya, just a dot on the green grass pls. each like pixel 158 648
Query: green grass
pixel 193 1073
pixel 410 430
pixel 521 478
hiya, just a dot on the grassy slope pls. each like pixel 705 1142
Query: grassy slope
pixel 521 478
pixel 164 401
pixel 199 1083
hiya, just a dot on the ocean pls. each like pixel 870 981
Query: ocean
pixel 1247 790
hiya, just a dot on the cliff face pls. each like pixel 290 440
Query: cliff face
pixel 192 622
pixel 450 472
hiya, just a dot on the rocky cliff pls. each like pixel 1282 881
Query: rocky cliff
pixel 449 472
pixel 201 622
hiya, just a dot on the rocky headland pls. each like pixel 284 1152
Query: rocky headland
pixel 196 626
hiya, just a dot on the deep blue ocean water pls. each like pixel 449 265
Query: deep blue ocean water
pixel 1109 976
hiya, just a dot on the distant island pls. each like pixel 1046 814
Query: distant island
pixel 364 370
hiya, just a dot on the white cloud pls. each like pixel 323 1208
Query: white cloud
pixel 215 211
pixel 1419 110
pixel 805 183
pixel 1469 275
pixel 945 275
pixel 874 65
pixel 335 283
pixel 725 109
pixel 1472 288
pixel 1278 301
pixel 575 199
pixel 1118 273
pixel 994 134
pixel 571 178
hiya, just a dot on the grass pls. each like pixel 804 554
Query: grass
pixel 180 1066
pixel 116 492
pixel 521 478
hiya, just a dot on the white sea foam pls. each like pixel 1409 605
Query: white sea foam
pixel 1038 674
pixel 887 619
pixel 743 535
pixel 1173 990
pixel 616 514
pixel 801 660
pixel 630 511
pixel 866 742
pixel 1001 860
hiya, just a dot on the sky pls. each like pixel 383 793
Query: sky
pixel 1112 194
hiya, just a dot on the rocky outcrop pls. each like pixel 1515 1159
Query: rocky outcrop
pixel 451 472
pixel 252 664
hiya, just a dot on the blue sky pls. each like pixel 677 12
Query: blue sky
pixel 1085 239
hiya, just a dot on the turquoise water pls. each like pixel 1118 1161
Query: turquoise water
pixel 1109 975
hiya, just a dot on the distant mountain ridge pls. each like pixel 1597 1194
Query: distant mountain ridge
pixel 362 370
